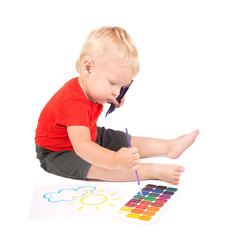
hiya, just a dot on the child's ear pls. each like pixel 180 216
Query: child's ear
pixel 88 66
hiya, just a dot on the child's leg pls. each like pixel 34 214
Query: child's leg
pixel 149 171
pixel 156 147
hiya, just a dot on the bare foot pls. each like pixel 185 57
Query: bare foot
pixel 169 173
pixel 180 144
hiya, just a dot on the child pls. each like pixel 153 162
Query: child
pixel 68 141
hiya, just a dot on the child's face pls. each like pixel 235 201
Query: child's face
pixel 105 80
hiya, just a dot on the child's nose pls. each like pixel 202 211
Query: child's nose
pixel 116 92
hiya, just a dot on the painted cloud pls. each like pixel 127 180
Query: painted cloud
pixel 68 194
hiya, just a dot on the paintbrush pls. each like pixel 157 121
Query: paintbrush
pixel 121 95
pixel 138 181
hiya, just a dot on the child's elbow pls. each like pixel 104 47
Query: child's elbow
pixel 81 148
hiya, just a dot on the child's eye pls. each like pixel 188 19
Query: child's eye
pixel 112 83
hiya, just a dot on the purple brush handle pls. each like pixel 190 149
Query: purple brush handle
pixel 129 143
pixel 119 98
pixel 137 177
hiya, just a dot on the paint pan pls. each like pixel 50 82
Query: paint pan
pixel 147 210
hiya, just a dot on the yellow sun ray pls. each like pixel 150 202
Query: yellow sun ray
pixel 111 205
pixel 80 208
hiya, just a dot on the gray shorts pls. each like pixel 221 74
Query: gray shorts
pixel 69 164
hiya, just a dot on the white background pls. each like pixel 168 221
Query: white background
pixel 190 58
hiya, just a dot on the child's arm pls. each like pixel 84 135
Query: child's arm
pixel 91 152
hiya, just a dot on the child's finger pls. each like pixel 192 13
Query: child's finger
pixel 134 150
pixel 115 102
pixel 135 164
pixel 122 101
pixel 136 167
pixel 136 156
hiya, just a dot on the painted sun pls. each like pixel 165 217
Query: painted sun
pixel 95 200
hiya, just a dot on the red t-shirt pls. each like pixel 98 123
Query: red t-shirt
pixel 68 107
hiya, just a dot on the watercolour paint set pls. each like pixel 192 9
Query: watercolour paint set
pixel 146 210
pixel 102 198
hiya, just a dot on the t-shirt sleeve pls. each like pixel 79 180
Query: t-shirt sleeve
pixel 71 113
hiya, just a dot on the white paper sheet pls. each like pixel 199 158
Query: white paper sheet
pixel 76 200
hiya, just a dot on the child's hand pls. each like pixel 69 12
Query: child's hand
pixel 117 104
pixel 127 158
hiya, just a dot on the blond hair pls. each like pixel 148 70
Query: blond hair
pixel 112 42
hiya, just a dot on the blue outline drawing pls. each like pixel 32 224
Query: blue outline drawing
pixel 68 194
